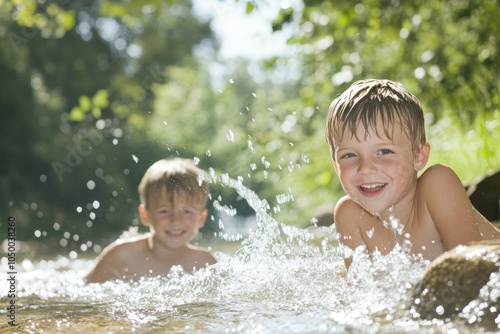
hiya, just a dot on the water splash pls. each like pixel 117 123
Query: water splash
pixel 281 280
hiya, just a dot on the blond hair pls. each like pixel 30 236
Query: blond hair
pixel 368 102
pixel 173 178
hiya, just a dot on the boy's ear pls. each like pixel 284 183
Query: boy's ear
pixel 143 213
pixel 422 156
pixel 203 218
pixel 335 166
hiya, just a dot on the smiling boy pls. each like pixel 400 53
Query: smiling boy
pixel 376 134
pixel 173 195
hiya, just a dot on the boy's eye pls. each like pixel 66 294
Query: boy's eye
pixel 188 212
pixel 385 151
pixel 347 155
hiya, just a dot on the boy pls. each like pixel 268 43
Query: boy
pixel 376 135
pixel 173 196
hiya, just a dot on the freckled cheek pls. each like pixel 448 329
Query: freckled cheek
pixel 404 169
pixel 347 177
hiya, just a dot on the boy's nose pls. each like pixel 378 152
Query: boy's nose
pixel 176 217
pixel 367 166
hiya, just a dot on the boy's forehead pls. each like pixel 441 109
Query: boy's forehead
pixel 392 131
pixel 161 197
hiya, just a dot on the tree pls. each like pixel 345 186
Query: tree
pixel 77 79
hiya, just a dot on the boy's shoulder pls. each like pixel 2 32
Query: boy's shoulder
pixel 438 176
pixel 201 255
pixel 347 206
pixel 125 247
pixel 349 214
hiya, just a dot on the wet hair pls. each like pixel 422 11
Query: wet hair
pixel 367 102
pixel 175 178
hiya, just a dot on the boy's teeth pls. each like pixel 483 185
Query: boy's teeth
pixel 371 186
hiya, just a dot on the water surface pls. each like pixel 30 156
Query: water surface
pixel 281 280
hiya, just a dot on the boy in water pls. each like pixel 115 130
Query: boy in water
pixel 376 135
pixel 173 194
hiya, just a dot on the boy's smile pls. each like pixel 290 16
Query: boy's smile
pixel 371 189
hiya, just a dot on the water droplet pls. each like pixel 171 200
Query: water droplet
pixel 282 198
pixel 266 163
pixel 136 159
pixel 230 136
pixel 90 184
pixel 78 209
pixel 96 204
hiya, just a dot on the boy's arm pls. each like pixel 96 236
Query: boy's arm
pixel 453 214
pixel 107 266
pixel 347 217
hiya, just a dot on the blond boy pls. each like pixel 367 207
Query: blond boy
pixel 376 135
pixel 173 194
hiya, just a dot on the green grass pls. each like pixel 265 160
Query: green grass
pixel 470 149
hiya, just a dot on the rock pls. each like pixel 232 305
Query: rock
pixel 461 283
pixel 484 193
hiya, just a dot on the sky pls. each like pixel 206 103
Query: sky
pixel 244 35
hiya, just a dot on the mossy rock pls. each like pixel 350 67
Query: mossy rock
pixel 451 285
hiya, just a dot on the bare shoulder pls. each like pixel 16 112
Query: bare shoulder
pixel 201 256
pixel 439 175
pixel 347 210
pixel 123 248
pixel 445 201
pixel 348 218
pixel 114 258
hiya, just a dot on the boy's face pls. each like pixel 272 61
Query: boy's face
pixel 375 171
pixel 173 225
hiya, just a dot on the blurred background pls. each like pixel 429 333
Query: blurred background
pixel 93 92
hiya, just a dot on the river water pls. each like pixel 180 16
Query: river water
pixel 280 280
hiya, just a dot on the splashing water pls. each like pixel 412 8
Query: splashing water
pixel 281 280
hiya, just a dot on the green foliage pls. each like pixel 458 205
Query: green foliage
pixel 95 105
pixel 79 98
pixel 51 20
pixel 471 150
pixel 444 52
pixel 98 105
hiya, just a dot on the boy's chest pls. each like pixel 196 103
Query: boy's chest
pixel 424 238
